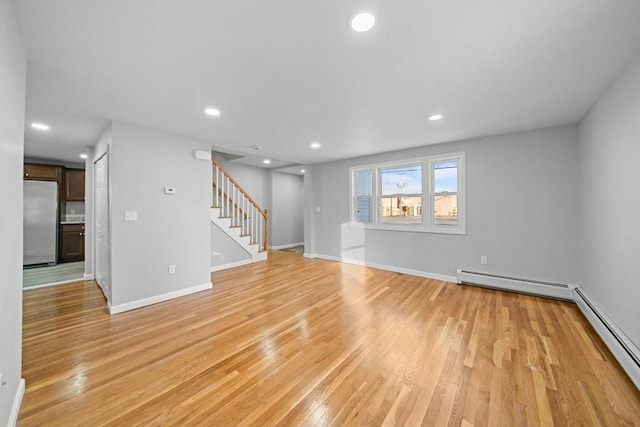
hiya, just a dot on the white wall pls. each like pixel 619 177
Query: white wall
pixel 308 206
pixel 255 181
pixel 104 142
pixel 521 210
pixel 225 250
pixel 610 202
pixel 13 72
pixel 287 212
pixel 171 229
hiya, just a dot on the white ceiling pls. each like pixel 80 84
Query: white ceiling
pixel 285 73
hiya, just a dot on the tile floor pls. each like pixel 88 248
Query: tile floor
pixel 64 272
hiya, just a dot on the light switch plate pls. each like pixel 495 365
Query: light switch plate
pixel 130 215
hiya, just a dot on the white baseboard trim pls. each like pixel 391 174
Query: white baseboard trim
pixel 17 402
pixel 88 276
pixel 419 273
pixel 115 309
pixel 231 265
pixel 308 255
pixel 523 286
pixel 626 352
pixel 290 245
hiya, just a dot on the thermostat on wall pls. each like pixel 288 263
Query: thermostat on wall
pixel 169 190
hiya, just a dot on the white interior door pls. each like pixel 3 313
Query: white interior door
pixel 101 224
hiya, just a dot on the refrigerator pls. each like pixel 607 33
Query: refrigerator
pixel 40 222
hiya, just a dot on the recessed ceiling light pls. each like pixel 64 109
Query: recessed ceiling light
pixel 40 126
pixel 83 156
pixel 302 171
pixel 436 117
pixel 266 161
pixel 315 145
pixel 361 22
pixel 213 112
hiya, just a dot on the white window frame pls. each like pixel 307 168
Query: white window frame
pixel 354 196
pixel 428 193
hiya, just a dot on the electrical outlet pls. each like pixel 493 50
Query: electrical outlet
pixel 483 260
pixel 172 269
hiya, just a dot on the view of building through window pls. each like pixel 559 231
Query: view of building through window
pixel 445 193
pixel 401 195
pixel 421 194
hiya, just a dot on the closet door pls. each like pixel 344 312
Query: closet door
pixel 101 224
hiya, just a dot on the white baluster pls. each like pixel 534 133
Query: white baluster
pixel 243 215
pixel 253 215
pixel 253 224
pixel 260 234
pixel 226 197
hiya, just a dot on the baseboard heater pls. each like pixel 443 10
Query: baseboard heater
pixel 515 284
pixel 625 352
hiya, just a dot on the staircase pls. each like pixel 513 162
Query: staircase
pixel 238 215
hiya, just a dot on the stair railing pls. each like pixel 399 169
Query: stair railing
pixel 235 203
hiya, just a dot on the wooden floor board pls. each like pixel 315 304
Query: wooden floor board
pixel 293 341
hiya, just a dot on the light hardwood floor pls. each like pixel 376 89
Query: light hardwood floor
pixel 293 341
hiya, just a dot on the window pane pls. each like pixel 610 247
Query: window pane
pixel 401 210
pixel 363 210
pixel 401 180
pixel 364 183
pixel 445 209
pixel 445 176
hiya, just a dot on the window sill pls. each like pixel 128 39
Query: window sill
pixel 414 229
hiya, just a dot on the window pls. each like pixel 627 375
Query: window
pixel 401 195
pixel 363 193
pixel 391 196
pixel 445 192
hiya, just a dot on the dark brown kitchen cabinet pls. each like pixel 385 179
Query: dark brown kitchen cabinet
pixel 71 242
pixel 42 172
pixel 73 185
